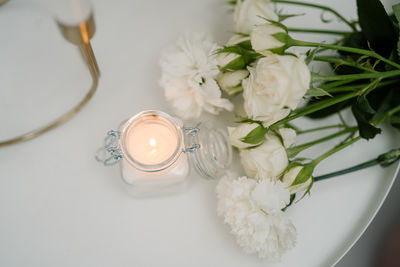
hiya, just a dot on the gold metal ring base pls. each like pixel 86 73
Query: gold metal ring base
pixel 79 35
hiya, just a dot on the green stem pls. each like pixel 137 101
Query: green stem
pixel 334 84
pixel 326 8
pixel 384 160
pixel 361 166
pixel 334 150
pixel 378 119
pixel 340 61
pixel 386 74
pixel 393 111
pixel 302 30
pixel 293 151
pixel 346 49
pixel 320 128
pixel 315 107
pixel 357 86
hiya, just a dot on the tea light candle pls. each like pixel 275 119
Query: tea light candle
pixel 152 142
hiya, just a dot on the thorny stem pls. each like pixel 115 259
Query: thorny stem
pixel 325 8
pixel 346 49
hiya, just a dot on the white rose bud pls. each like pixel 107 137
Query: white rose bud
pixel 230 61
pixel 231 82
pixel 275 86
pixel 263 40
pixel 237 134
pixel 268 160
pixel 251 12
pixel 290 176
pixel 237 39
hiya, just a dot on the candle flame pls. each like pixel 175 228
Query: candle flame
pixel 153 145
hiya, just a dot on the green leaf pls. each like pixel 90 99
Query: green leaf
pixel 282 17
pixel 276 23
pixel 256 136
pixel 245 45
pixel 247 120
pixel 236 64
pixel 304 174
pixel 311 54
pixel 376 26
pixel 293 151
pixel 308 189
pixel 367 130
pixel 316 92
pixel 363 104
pixel 247 56
pixel 292 198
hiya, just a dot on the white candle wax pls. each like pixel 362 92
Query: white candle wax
pixel 152 142
pixel 153 162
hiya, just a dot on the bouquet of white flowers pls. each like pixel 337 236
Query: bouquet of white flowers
pixel 259 66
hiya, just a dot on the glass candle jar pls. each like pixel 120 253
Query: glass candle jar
pixel 155 151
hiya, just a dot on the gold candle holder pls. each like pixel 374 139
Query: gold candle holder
pixel 79 35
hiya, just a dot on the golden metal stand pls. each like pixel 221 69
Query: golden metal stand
pixel 79 35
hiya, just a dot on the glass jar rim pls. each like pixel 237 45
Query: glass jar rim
pixel 175 125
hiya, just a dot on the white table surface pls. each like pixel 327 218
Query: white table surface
pixel 59 207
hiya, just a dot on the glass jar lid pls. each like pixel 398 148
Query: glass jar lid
pixel 213 153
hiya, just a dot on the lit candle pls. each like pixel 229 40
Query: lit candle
pixel 151 142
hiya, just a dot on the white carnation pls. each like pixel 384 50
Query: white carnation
pixel 271 196
pixel 242 203
pixel 268 160
pixel 248 13
pixel 274 87
pixel 188 77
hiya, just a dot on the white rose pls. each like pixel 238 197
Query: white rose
pixel 268 160
pixel 288 136
pixel 275 86
pixel 239 132
pixel 262 39
pixel 290 176
pixel 251 12
pixel 231 82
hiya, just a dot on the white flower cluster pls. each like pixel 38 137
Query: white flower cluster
pixel 194 72
pixel 188 77
pixel 253 211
